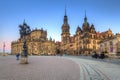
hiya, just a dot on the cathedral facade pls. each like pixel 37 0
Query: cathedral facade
pixel 37 43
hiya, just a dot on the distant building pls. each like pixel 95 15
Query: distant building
pixel 37 43
pixel 111 45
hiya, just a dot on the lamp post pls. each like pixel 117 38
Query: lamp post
pixel 4 49
pixel 24 30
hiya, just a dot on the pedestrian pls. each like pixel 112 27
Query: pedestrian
pixel 17 56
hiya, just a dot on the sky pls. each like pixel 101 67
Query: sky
pixel 49 14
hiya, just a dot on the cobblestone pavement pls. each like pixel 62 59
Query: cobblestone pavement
pixel 59 68
pixel 97 69
pixel 39 68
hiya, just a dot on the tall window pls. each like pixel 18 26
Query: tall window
pixel 94 47
pixel 94 42
pixel 111 46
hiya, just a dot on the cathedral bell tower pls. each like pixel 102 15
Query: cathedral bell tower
pixel 65 36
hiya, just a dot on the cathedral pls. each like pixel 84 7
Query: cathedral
pixel 36 41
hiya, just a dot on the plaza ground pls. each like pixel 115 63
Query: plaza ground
pixel 39 68
pixel 59 68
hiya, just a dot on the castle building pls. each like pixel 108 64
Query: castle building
pixel 86 39
pixel 37 43
pixel 83 42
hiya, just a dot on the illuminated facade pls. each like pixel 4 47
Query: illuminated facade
pixel 86 40
pixel 37 43
pixel 110 46
pixel 83 42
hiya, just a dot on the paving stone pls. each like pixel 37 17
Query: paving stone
pixel 39 68
pixel 109 68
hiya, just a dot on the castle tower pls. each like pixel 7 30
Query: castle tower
pixel 85 25
pixel 65 36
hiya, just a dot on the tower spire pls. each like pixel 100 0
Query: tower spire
pixel 85 13
pixel 85 19
pixel 24 21
pixel 65 18
pixel 65 10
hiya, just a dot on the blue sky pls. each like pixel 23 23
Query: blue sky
pixel 49 14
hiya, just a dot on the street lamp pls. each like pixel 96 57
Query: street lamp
pixel 4 49
pixel 24 30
